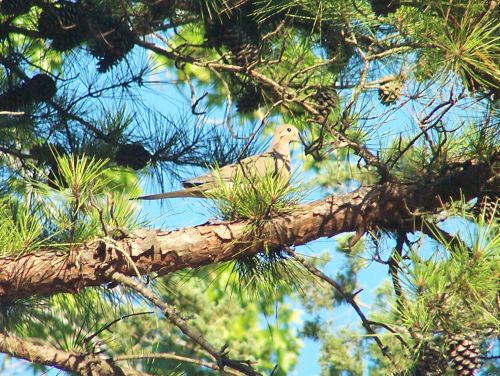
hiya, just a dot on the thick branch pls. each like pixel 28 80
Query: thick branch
pixel 389 206
pixel 81 363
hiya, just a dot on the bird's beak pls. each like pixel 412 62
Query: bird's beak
pixel 298 138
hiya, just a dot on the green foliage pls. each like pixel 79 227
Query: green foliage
pixel 267 274
pixel 256 198
pixel 347 275
pixel 482 139
pixel 341 354
pixel 454 291
pixel 208 302
pixel 259 198
pixel 20 230
pixel 409 156
pixel 74 205
pixel 460 38
pixel 83 199
pixel 248 63
pixel 75 322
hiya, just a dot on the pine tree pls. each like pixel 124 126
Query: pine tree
pixel 397 106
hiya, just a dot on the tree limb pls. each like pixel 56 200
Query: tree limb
pixel 194 334
pixel 349 298
pixel 390 206
pixel 82 363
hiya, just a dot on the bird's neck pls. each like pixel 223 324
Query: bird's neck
pixel 281 148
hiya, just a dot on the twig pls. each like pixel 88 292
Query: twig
pixel 110 324
pixel 363 152
pixel 43 353
pixel 190 331
pixel 12 113
pixel 173 356
pixel 367 324
pixel 228 117
pixel 394 260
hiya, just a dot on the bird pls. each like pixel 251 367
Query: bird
pixel 276 161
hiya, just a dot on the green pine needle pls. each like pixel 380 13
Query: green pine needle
pixel 456 286
pixel 267 274
pixel 254 198
pixel 20 230
pixel 258 198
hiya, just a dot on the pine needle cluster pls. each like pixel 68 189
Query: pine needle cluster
pixel 75 202
pixel 256 198
pixel 450 296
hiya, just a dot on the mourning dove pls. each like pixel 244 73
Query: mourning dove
pixel 276 160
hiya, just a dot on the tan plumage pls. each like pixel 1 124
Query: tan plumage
pixel 276 160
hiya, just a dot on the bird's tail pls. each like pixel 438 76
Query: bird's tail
pixel 187 192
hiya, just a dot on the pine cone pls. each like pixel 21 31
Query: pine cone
pixel 390 92
pixel 488 207
pixel 134 156
pixel 431 360
pixel 40 87
pixel 463 355
pixel 243 49
pixel 112 43
pixel 384 7
pixel 241 38
pixel 15 7
pixel 326 99
pixel 334 43
pixel 249 99
pixel 65 23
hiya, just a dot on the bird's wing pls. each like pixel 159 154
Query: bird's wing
pixel 275 161
pixel 260 165
pixel 187 192
pixel 226 173
pixel 255 165
pixel 199 180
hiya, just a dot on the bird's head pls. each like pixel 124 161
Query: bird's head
pixel 283 136
pixel 286 133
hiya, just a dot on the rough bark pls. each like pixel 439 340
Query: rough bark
pixel 389 206
pixel 81 363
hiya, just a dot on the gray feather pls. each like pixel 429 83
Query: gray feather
pixel 276 160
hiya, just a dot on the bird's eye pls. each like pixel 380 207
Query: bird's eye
pixel 289 129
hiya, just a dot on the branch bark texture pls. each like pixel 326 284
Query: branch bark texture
pixel 389 206
pixel 81 363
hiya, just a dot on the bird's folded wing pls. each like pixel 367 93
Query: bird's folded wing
pixel 255 165
pixel 187 192
pixel 226 173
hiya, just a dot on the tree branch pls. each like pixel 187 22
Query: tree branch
pixel 390 206
pixel 349 298
pixel 194 334
pixel 82 363
pixel 173 356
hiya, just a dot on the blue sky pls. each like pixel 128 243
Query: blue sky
pixel 178 213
